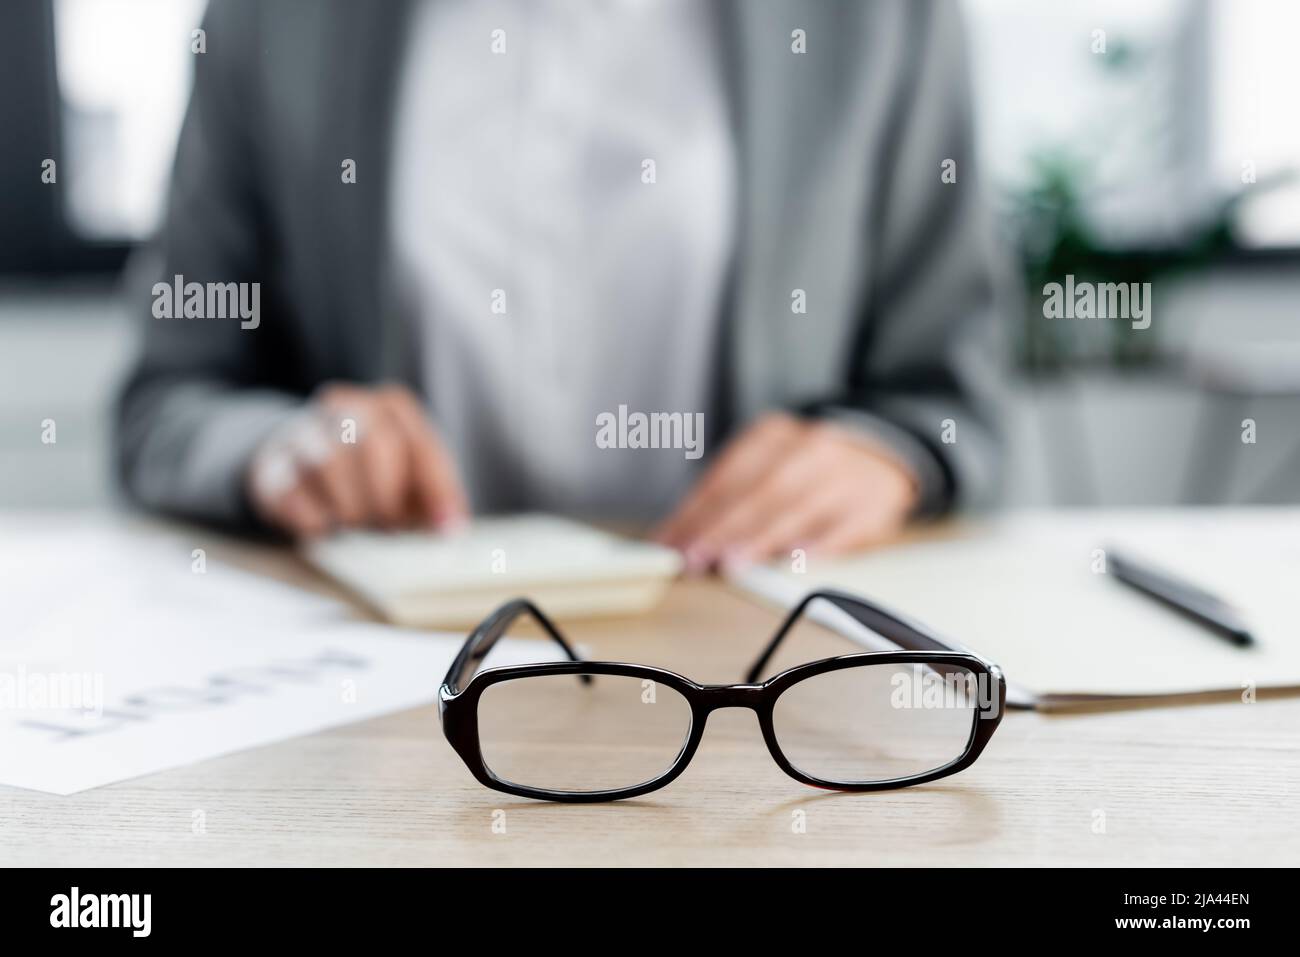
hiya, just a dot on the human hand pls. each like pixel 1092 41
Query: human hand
pixel 788 483
pixel 357 456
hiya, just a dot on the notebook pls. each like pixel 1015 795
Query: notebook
pixel 426 579
pixel 1031 593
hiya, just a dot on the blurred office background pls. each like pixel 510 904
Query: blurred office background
pixel 1135 142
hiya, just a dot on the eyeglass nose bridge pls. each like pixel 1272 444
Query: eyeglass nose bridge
pixel 717 697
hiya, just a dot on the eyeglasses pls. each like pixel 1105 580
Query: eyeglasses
pixel 586 731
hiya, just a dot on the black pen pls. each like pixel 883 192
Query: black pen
pixel 1214 613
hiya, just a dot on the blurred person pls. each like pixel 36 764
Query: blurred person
pixel 476 229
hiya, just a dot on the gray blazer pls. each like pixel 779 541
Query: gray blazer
pixel 840 153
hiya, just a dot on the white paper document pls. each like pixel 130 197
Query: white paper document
pixel 1032 593
pixel 119 658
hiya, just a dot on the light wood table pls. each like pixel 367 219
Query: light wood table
pixel 1207 785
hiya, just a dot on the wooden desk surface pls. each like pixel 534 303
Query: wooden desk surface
pixel 1206 785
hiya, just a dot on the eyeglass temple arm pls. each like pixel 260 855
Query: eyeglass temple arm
pixel 906 636
pixel 486 635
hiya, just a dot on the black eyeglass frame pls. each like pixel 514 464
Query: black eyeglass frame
pixel 458 706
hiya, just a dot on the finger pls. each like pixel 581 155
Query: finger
pixel 437 488
pixel 277 494
pixel 741 464
pixel 328 466
pixel 784 490
pixel 338 483
pixel 271 473
pixel 385 471
pixel 355 418
pixel 300 513
pixel 343 398
pixel 791 529
pixel 855 529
